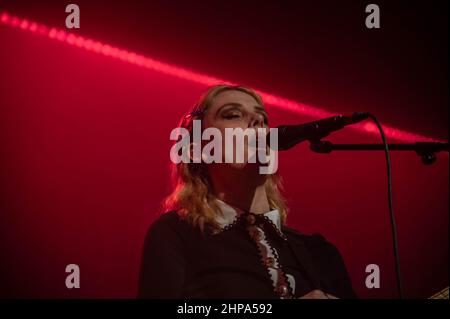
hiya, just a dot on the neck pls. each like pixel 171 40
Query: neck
pixel 240 190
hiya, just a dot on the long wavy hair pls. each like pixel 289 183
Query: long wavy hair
pixel 192 196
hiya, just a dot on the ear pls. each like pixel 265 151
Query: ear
pixel 195 152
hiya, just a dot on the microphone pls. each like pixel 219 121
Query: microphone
pixel 290 135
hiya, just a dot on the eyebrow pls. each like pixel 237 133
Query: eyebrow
pixel 239 105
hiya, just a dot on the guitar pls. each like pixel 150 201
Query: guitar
pixel 443 294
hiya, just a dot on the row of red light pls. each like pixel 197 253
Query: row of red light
pixel 147 62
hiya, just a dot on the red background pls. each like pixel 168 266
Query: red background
pixel 85 156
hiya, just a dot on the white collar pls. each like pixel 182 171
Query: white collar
pixel 229 215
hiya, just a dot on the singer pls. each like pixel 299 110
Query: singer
pixel 224 232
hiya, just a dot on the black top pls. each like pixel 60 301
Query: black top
pixel 179 261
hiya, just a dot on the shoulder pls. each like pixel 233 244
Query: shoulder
pixel 319 248
pixel 326 260
pixel 310 241
pixel 170 218
pixel 167 225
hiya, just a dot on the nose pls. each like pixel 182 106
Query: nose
pixel 257 120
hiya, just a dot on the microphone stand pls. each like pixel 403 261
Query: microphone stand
pixel 426 150
pixel 314 132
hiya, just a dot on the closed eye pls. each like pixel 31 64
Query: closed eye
pixel 232 115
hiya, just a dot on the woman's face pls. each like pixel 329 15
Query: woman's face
pixel 235 109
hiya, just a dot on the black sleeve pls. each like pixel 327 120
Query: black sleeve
pixel 163 260
pixel 331 267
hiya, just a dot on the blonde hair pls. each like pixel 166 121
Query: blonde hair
pixel 192 196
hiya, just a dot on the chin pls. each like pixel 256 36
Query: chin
pixel 251 170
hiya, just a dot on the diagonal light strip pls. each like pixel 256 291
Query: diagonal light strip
pixel 179 72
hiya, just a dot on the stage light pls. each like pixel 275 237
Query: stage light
pixel 166 68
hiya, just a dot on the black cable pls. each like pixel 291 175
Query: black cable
pixel 391 209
